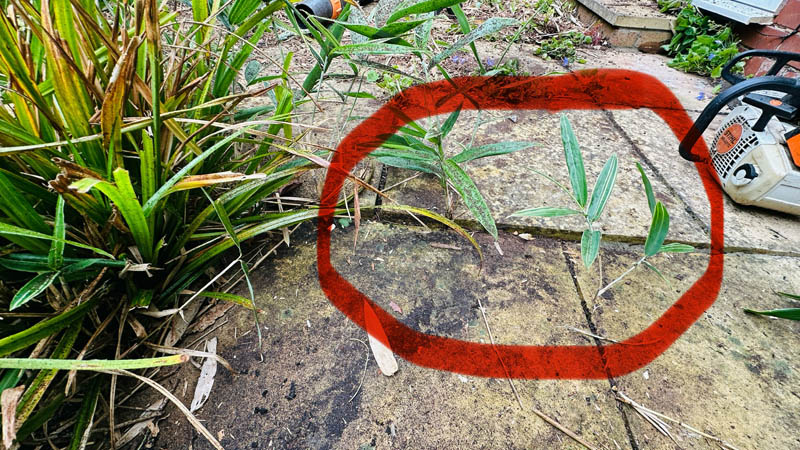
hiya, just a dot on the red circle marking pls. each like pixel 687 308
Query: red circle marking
pixel 587 90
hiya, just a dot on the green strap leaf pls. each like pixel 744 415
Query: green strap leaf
pixel 785 313
pixel 469 193
pixel 648 189
pixel 421 8
pixel 498 148
pixel 787 295
pixel 545 211
pixel 91 364
pixel 232 298
pixel 602 189
pixel 448 124
pixel 375 48
pixel 408 164
pixel 55 258
pixel 11 230
pixel 124 197
pixel 33 288
pixel 572 154
pixel 590 246
pixel 492 25
pixel 164 190
pixel 84 421
pixel 32 335
pixel 658 230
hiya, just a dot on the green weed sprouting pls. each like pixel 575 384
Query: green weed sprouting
pixel 592 207
pixel 423 150
pixel 701 45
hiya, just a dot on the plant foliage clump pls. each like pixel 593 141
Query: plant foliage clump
pixel 701 45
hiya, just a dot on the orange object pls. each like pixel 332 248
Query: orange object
pixel 794 148
pixel 729 138
pixel 337 8
pixel 775 102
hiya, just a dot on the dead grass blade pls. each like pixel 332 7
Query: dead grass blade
pixel 163 391
pixel 655 419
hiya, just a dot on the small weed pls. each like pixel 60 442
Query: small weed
pixel 701 45
pixel 423 150
pixel 392 83
pixel 591 207
pixel 508 68
pixel 562 47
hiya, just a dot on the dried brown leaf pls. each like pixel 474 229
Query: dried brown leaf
pixel 8 406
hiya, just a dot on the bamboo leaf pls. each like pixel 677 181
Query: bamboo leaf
pixel 408 164
pixel 498 148
pixel 658 230
pixel 676 247
pixel 375 48
pixel 488 27
pixel 472 197
pixel 463 23
pixel 655 269
pixel 602 189
pixel 33 288
pixel 790 296
pixel 572 154
pixel 785 313
pixel 545 211
pixel 448 124
pixel 421 8
pixel 648 189
pixel 590 246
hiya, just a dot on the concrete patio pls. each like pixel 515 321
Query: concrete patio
pixel 732 375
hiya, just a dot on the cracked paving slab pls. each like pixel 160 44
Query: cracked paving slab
pixel 731 375
pixel 303 393
pixel 509 183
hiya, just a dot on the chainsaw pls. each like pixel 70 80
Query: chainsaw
pixel 756 151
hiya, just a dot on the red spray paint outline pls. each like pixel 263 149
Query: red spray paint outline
pixel 587 90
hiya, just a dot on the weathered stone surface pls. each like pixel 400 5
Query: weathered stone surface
pixel 731 375
pixel 509 183
pixel 299 396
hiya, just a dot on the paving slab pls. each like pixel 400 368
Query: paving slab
pixel 318 386
pixel 731 375
pixel 509 183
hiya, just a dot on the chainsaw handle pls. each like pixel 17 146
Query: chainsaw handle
pixel 781 59
pixel 772 83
